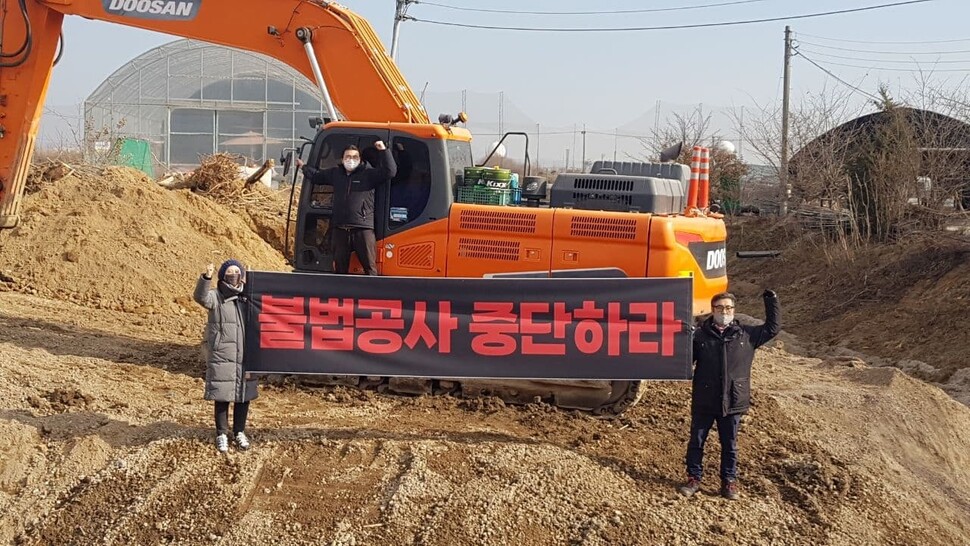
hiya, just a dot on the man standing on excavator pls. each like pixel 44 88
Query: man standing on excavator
pixel 723 353
pixel 353 204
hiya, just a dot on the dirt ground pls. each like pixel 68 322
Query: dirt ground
pixel 105 439
pixel 899 304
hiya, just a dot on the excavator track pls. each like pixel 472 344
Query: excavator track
pixel 602 398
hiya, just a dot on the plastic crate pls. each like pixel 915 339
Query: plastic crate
pixel 480 195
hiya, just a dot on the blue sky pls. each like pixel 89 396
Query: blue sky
pixel 606 79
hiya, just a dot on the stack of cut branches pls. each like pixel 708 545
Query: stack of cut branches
pixel 46 172
pixel 218 177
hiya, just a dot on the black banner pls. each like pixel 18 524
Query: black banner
pixel 605 328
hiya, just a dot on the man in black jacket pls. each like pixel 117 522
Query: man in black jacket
pixel 723 352
pixel 353 204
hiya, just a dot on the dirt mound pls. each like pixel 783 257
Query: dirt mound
pixel 218 178
pixel 114 239
pixel 901 302
pixel 265 213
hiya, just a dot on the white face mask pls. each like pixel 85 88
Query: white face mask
pixel 723 312
pixel 723 319
pixel 351 164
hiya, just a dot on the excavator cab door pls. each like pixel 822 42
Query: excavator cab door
pixel 313 250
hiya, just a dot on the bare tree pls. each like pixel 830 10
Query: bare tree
pixel 820 173
pixel 891 171
pixel 693 129
pixel 946 148
pixel 883 167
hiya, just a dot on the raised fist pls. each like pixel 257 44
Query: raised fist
pixel 769 294
pixel 209 270
pixel 380 145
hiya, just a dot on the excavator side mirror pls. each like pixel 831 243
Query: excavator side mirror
pixel 287 161
pixel 448 120
pixel 671 153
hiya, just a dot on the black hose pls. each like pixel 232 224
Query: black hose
pixel 758 253
pixel 60 49
pixel 23 46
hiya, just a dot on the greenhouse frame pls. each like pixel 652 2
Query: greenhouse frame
pixel 187 99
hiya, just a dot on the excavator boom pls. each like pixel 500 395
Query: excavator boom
pixel 362 80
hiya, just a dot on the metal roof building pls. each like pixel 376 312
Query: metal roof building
pixel 189 98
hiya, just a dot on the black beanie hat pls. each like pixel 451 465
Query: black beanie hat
pixel 229 263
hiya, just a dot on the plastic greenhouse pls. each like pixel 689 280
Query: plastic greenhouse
pixel 189 98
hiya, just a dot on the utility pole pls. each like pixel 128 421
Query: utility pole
pixel 501 114
pixel 783 174
pixel 399 9
pixel 574 142
pixel 566 165
pixel 582 166
pixel 741 135
pixel 615 135
pixel 537 146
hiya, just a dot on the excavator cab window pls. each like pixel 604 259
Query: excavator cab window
pixel 459 157
pixel 411 187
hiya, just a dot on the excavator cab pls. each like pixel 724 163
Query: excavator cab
pixel 429 165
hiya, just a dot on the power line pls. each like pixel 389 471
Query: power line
pixel 893 61
pixel 884 43
pixel 840 80
pixel 910 70
pixel 601 12
pixel 857 50
pixel 673 27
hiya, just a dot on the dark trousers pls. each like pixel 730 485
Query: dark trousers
pixel 239 412
pixel 727 431
pixel 359 240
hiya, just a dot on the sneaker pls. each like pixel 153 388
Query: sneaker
pixel 222 443
pixel 729 489
pixel 692 486
pixel 242 442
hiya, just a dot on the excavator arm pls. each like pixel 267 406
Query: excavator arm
pixel 362 80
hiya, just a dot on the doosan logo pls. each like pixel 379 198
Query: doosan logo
pixel 711 258
pixel 716 259
pixel 154 9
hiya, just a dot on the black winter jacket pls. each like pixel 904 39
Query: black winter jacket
pixel 353 193
pixel 722 362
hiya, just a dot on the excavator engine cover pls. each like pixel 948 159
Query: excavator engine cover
pixel 618 193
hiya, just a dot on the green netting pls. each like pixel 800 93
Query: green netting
pixel 137 154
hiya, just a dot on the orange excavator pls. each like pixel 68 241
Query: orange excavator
pixel 620 219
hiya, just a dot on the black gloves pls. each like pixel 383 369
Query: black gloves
pixel 769 294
